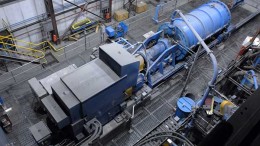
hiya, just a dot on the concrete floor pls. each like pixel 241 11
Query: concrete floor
pixel 20 97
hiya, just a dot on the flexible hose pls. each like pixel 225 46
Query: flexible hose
pixel 211 55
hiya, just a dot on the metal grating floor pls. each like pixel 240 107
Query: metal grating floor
pixel 20 97
pixel 169 91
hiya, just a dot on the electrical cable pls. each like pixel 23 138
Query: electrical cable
pixel 165 134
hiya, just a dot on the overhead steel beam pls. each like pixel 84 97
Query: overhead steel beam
pixel 84 9
pixel 58 14
pixel 110 9
pixel 76 18
pixel 51 14
pixel 2 2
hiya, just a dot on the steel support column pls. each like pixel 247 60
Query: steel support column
pixel 51 14
pixel 110 9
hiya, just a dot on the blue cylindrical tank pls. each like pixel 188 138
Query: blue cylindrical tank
pixel 207 20
pixel 184 107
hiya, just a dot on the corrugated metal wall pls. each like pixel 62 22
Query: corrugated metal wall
pixel 18 14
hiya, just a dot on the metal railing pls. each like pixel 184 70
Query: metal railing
pixel 29 45
pixel 30 70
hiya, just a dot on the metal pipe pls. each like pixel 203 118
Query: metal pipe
pixel 239 73
pixel 256 48
pixel 133 112
pixel 254 54
pixel 240 86
pixel 254 78
pixel 211 55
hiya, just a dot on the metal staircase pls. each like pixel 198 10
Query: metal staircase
pixel 23 57
pixel 9 51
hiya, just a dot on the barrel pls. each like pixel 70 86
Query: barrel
pixel 184 107
pixel 207 20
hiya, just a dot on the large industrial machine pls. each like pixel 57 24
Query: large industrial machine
pixel 91 104
pixel 229 114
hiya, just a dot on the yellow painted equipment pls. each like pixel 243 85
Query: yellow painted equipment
pixel 223 105
pixel 83 25
pixel 141 60
pixel 129 92
pixel 77 25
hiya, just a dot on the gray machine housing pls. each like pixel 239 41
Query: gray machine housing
pixel 94 90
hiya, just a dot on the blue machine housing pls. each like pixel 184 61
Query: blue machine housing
pixel 111 32
pixel 1 101
pixel 256 61
pixel 250 80
pixel 160 58
pixel 117 32
pixel 165 57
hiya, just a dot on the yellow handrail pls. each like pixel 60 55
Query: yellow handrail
pixel 26 51
pixel 37 57
pixel 32 44
pixel 42 54
pixel 22 53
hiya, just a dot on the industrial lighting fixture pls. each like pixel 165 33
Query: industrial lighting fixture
pixel 8 110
